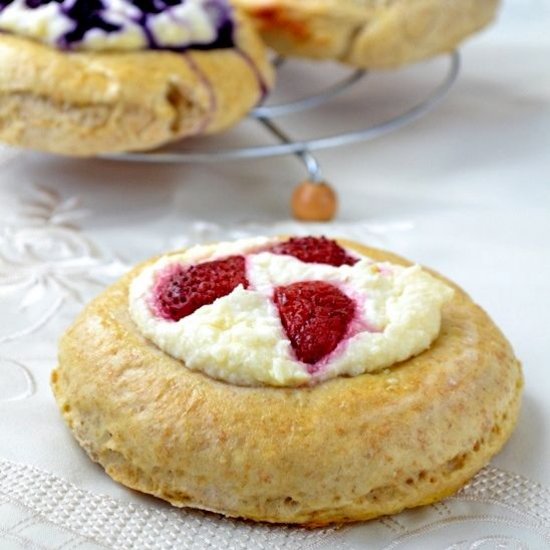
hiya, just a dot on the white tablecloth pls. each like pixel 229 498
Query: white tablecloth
pixel 466 190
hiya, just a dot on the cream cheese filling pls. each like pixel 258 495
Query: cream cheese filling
pixel 239 338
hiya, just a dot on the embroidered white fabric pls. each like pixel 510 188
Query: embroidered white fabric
pixel 78 517
pixel 107 522
pixel 48 268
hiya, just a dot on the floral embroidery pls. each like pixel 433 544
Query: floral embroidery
pixel 46 261
pixel 16 381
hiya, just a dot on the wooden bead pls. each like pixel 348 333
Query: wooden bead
pixel 314 202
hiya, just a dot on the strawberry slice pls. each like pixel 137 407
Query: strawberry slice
pixel 315 250
pixel 316 316
pixel 181 290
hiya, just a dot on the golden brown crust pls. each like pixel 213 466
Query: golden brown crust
pixel 91 103
pixel 346 450
pixel 368 33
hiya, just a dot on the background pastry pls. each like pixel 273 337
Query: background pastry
pixel 84 78
pixel 368 33
pixel 317 438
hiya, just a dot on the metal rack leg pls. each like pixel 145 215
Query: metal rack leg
pixel 306 157
pixel 313 200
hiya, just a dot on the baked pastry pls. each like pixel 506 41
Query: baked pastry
pixel 368 33
pixel 318 382
pixel 86 78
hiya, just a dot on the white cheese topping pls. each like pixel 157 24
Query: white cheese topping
pixel 120 25
pixel 239 338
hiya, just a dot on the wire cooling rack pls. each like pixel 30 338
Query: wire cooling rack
pixel 302 149
pixel 265 114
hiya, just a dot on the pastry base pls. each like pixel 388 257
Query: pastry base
pixel 349 449
pixel 370 34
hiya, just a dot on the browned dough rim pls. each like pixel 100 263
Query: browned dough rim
pixel 348 449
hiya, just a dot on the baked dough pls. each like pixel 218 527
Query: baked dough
pixel 368 33
pixel 347 449
pixel 92 103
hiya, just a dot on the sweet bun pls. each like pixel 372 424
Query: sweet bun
pixel 87 103
pixel 368 33
pixel 347 449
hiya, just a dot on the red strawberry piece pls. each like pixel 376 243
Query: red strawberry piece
pixel 316 316
pixel 181 290
pixel 315 250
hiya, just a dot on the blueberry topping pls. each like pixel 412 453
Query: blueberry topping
pixel 99 15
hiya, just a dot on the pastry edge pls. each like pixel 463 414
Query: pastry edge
pixel 466 464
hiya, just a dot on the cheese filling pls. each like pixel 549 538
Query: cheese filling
pixel 240 338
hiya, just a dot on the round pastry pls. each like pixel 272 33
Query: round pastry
pixel 368 33
pixel 288 380
pixel 85 78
